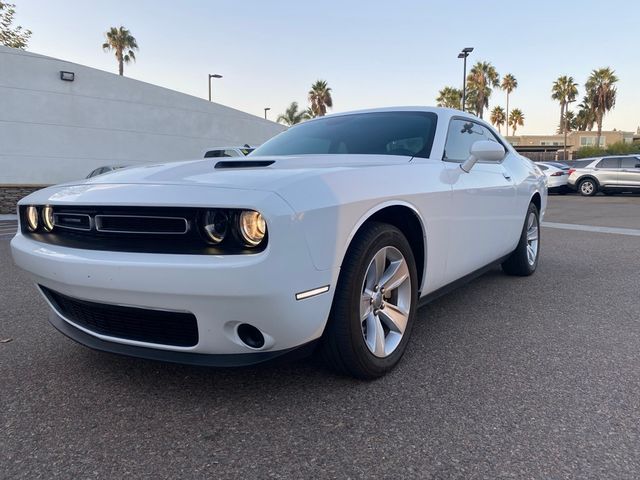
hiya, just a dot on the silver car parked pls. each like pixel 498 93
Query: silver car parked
pixel 610 174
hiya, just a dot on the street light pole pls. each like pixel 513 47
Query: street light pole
pixel 266 109
pixel 464 54
pixel 212 75
pixel 564 127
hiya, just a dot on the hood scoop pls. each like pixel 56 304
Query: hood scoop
pixel 244 163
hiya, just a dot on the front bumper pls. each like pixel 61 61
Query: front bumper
pixel 187 358
pixel 220 291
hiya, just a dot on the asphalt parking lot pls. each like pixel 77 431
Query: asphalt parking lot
pixel 505 378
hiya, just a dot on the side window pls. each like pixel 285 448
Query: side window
pixel 213 154
pixel 630 162
pixel 611 162
pixel 230 153
pixel 461 135
pixel 543 167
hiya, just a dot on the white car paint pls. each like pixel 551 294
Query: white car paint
pixel 557 178
pixel 313 206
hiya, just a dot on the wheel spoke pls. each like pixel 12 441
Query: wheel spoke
pixel 375 335
pixel 394 318
pixel 531 254
pixel 395 275
pixel 379 262
pixel 365 305
pixel 532 234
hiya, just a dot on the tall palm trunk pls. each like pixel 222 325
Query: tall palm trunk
pixel 507 114
pixel 120 59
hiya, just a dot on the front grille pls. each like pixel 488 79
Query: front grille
pixel 131 323
pixel 141 224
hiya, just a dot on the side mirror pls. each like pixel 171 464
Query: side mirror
pixel 485 150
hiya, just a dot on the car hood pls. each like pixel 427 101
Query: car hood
pixel 241 174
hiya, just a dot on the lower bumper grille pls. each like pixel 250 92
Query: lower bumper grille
pixel 130 323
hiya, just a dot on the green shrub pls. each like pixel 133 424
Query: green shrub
pixel 619 148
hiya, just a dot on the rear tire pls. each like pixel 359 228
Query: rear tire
pixel 369 326
pixel 524 259
pixel 588 187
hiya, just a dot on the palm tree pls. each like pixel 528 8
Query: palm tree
pixel 586 117
pixel 509 84
pixel 123 44
pixel 516 119
pixel 320 98
pixel 449 97
pixel 292 116
pixel 564 90
pixel 570 121
pixel 498 117
pixel 482 78
pixel 601 88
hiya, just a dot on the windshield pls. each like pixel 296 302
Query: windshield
pixel 377 133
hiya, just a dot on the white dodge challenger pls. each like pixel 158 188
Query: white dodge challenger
pixel 328 237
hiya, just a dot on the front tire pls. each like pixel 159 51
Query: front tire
pixel 374 304
pixel 524 259
pixel 588 187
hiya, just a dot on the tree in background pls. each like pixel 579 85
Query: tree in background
pixel 450 97
pixel 509 84
pixel 320 98
pixel 481 80
pixel 564 90
pixel 120 41
pixel 570 121
pixel 498 117
pixel 292 116
pixel 516 119
pixel 601 89
pixel 586 117
pixel 10 36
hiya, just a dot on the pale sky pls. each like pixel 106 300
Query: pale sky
pixel 372 53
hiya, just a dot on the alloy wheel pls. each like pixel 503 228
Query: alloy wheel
pixel 385 301
pixel 587 187
pixel 533 238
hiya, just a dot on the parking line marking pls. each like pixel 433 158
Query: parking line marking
pixel 591 228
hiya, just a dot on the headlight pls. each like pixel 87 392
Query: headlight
pixel 32 218
pixel 215 225
pixel 47 218
pixel 252 227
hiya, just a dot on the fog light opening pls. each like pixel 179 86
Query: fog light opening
pixel 250 336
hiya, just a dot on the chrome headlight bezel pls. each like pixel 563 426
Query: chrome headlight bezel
pixel 48 220
pixel 252 227
pixel 32 218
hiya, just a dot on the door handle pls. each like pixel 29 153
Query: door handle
pixel 506 175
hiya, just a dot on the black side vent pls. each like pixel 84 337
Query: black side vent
pixel 244 163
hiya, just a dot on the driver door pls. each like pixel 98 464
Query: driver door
pixel 484 202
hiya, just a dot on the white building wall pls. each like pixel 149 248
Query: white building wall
pixel 53 131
